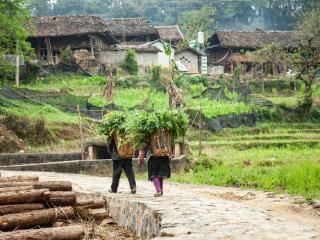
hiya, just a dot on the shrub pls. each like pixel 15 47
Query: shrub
pixel 186 80
pixel 6 70
pixel 67 56
pixel 130 63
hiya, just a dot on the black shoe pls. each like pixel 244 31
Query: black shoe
pixel 133 190
pixel 158 194
pixel 111 191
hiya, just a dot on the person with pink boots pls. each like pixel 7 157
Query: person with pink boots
pixel 158 170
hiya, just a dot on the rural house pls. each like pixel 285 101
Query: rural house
pixel 53 34
pixel 170 34
pixel 227 48
pixel 188 60
pixel 148 54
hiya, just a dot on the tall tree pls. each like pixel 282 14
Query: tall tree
pixel 307 59
pixel 15 21
pixel 192 22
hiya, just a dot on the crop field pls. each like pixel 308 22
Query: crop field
pixel 281 159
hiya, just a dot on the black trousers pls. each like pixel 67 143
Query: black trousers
pixel 118 166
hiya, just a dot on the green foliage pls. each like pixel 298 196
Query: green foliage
pixel 143 124
pixel 113 123
pixel 13 32
pixel 194 21
pixel 67 56
pixel 140 127
pixel 130 63
pixel 307 58
pixel 239 71
pixel 294 170
pixel 156 73
pixel 185 80
pixel 6 70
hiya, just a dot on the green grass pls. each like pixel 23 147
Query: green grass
pixel 127 98
pixel 294 170
pixel 36 111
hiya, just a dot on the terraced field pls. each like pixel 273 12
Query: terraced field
pixel 281 159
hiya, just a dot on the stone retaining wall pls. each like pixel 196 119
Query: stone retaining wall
pixel 27 158
pixel 89 167
pixel 135 215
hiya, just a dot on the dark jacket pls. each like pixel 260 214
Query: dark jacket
pixel 112 149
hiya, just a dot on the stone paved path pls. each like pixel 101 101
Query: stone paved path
pixel 197 212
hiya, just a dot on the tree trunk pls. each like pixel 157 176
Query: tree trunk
pixel 29 196
pixel 84 202
pixel 99 203
pixel 35 218
pixel 19 208
pixel 54 185
pixel 307 102
pixel 15 184
pixel 51 185
pixel 19 179
pixel 97 214
pixel 15 189
pixel 62 199
pixel 74 232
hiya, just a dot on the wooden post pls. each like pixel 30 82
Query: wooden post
pixel 17 70
pixel 81 133
pixel 200 131
pixel 91 46
pixel 274 69
pixel 231 67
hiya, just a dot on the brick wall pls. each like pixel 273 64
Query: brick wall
pixel 115 58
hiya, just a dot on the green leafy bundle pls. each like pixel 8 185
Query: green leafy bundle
pixel 140 126
pixel 113 123
pixel 143 124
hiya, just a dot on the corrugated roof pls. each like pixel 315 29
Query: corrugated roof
pixel 254 39
pixel 170 33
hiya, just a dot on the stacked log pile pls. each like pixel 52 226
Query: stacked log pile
pixel 33 209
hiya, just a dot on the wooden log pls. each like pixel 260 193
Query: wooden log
pixel 99 203
pixel 74 232
pixel 19 179
pixel 15 184
pixel 62 199
pixel 35 218
pixel 19 208
pixel 97 214
pixel 29 196
pixel 51 185
pixel 15 189
pixel 84 202
pixel 54 185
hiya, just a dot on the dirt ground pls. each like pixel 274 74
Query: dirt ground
pixel 107 230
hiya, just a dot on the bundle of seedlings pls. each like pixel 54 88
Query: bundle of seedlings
pixel 141 129
pixel 113 126
pixel 33 209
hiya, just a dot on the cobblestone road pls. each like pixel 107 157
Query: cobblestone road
pixel 197 212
